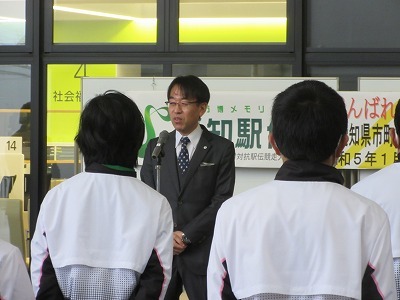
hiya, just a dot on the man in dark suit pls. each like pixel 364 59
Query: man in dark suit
pixel 197 176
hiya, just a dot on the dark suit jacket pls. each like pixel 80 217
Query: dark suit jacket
pixel 209 181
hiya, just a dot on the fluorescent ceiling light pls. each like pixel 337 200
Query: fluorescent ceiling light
pixel 233 21
pixel 93 13
pixel 11 20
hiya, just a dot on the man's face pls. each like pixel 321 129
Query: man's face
pixel 184 113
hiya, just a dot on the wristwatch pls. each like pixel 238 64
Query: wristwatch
pixel 186 240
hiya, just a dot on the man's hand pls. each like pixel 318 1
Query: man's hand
pixel 179 246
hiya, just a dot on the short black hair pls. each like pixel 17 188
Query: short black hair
pixel 308 119
pixel 192 87
pixel 396 119
pixel 111 130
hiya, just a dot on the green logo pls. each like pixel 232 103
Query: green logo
pixel 161 112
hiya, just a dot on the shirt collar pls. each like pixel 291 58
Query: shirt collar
pixel 194 136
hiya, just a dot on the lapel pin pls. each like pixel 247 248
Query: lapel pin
pixel 205 147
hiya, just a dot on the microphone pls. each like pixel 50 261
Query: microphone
pixel 160 144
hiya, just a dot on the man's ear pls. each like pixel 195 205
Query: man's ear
pixel 271 140
pixel 203 108
pixel 342 143
pixel 394 137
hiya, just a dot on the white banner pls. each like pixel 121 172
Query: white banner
pixel 245 117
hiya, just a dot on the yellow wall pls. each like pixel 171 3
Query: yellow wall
pixel 63 98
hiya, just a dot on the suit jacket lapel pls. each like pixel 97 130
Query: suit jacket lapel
pixel 169 161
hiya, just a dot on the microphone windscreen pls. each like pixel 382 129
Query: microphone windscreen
pixel 163 137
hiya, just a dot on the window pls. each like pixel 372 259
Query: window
pixel 15 140
pixel 99 21
pixel 234 21
pixel 12 22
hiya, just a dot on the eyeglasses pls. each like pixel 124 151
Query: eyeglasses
pixel 182 104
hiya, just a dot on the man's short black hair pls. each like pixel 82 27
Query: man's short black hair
pixel 308 120
pixel 111 130
pixel 192 87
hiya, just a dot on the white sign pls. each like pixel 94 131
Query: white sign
pixel 10 144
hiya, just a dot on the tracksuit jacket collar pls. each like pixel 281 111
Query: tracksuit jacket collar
pixel 301 170
pixel 99 168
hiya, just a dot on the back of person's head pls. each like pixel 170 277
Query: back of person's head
pixel 308 120
pixel 397 118
pixel 111 130
pixel 191 87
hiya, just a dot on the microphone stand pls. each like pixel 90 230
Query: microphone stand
pixel 158 170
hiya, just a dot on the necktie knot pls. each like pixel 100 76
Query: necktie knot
pixel 183 158
pixel 185 140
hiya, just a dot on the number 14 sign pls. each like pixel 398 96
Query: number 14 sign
pixel 10 144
